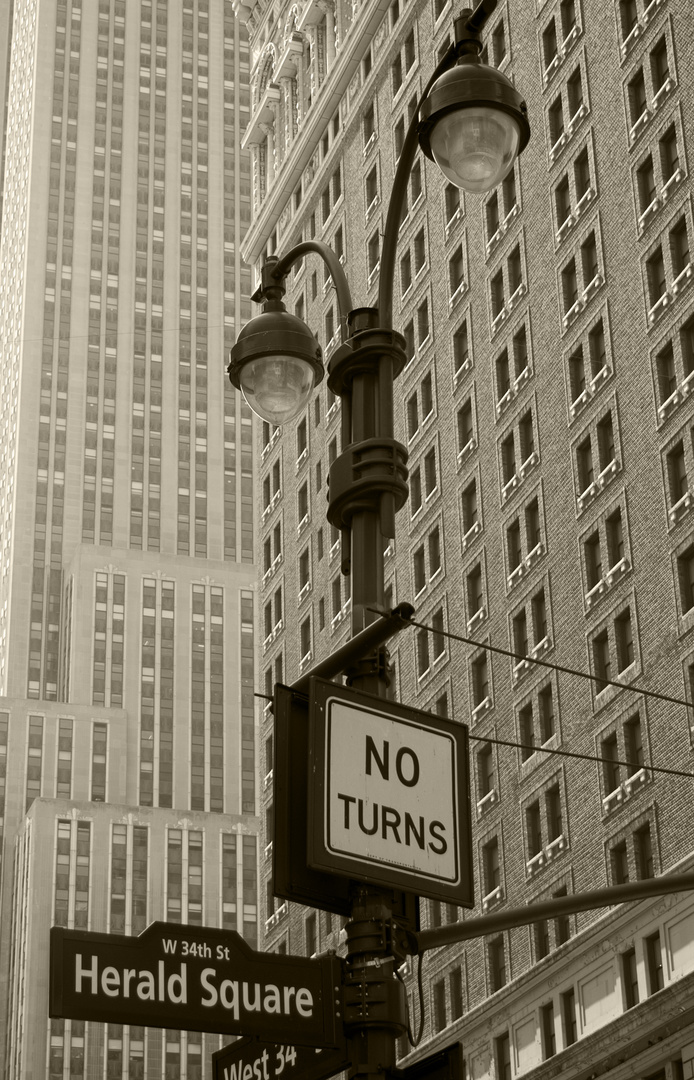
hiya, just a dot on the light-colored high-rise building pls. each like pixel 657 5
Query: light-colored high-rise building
pixel 547 409
pixel 127 580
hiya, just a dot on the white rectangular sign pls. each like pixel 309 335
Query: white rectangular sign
pixel 391 792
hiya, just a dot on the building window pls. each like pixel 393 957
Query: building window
pixel 415 490
pixel 465 428
pixel 455 983
pixel 685 578
pixel 419 570
pixel 405 272
pixel 533 828
pixel 456 270
pixel 423 661
pixel 396 73
pixel 549 1040
pixel 643 852
pixel 371 188
pixel 636 96
pixel 496 961
pixel 602 664
pixel 645 183
pixel 628 17
pixel 430 477
pixel 310 934
pixel 302 503
pixel 502 1052
pixel 568 1015
pixel 469 506
pixel 655 276
pixel 630 982
pixel 99 748
pixel 486 776
pixel 439 994
pixel 416 181
pixel 490 866
pixel 373 252
pixel 451 202
pixel 474 590
pixel 619 863
pixel 423 322
pixel 654 962
pixel 496 286
pixel 460 347
pixel 499 43
pixel 515 270
pixel 480 680
pixel 34 760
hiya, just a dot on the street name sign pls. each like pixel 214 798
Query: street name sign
pixel 388 794
pixel 194 978
pixel 254 1059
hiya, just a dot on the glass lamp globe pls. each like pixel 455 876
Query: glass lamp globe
pixel 475 148
pixel 473 124
pixel 277 388
pixel 275 363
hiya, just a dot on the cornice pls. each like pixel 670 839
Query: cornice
pixel 322 110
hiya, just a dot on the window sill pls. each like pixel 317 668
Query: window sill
pixel 589 391
pixel 302 459
pixel 487 802
pixel 457 296
pixel 492 899
pixel 466 451
pixel 475 620
pixel 479 710
pixel 615 799
pixel 463 370
pixel 470 535
pixel 305 661
pixel 681 509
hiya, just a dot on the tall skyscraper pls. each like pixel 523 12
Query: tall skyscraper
pixel 127 734
pixel 546 408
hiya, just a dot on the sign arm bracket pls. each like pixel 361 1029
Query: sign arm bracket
pixel 547 909
pixel 358 648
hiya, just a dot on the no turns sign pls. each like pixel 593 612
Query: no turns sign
pixel 388 794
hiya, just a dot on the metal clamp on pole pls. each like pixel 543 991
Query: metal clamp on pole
pixel 362 475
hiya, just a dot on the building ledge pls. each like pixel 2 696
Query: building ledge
pixel 327 102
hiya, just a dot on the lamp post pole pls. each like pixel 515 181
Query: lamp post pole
pixel 368 480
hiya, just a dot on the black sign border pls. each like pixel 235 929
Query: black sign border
pixel 325 861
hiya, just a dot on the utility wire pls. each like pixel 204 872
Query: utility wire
pixel 544 663
pixel 633 765
pixel 582 757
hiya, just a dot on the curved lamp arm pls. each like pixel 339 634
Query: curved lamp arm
pixel 397 199
pixel 344 297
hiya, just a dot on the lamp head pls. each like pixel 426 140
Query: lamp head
pixel 276 361
pixel 474 124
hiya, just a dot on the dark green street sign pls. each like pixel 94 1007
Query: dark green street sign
pixel 254 1059
pixel 194 978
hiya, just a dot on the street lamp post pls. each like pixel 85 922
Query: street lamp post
pixel 473 123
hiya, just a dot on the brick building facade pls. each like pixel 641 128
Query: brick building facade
pixel 546 407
